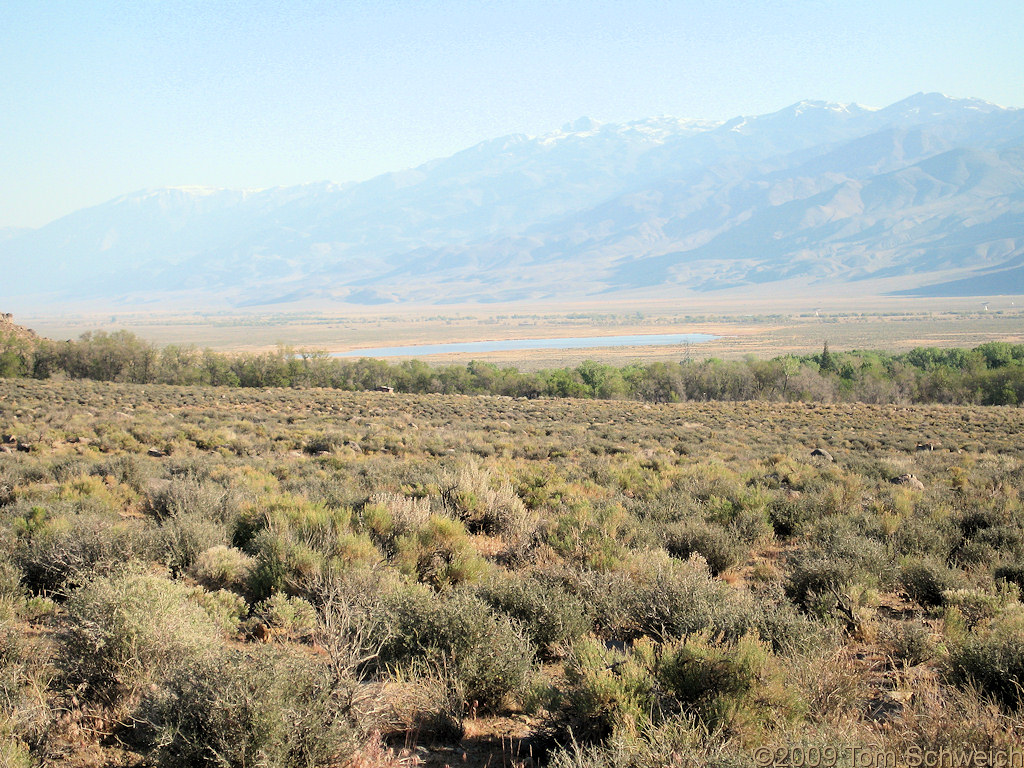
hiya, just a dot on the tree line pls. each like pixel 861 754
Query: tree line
pixel 990 374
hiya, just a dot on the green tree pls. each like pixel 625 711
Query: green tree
pixel 16 356
pixel 826 362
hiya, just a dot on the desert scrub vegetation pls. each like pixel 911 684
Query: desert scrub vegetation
pixel 279 576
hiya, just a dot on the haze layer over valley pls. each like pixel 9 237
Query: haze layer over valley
pixel 924 197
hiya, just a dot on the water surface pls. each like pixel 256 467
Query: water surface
pixel 508 345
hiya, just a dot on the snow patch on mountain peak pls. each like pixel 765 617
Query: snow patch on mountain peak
pixel 655 130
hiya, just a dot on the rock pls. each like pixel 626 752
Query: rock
pixel 908 480
pixel 156 453
pixel 821 453
pixel 24 447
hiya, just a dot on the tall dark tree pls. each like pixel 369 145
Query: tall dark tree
pixel 826 363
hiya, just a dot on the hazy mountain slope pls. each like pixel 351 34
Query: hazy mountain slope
pixel 927 190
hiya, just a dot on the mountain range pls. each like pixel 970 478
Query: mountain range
pixel 923 197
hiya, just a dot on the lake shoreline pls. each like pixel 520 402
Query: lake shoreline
pixel 528 344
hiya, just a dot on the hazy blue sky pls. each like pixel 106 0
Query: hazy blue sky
pixel 100 98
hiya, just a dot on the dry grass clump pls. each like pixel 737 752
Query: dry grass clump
pixel 390 515
pixel 26 712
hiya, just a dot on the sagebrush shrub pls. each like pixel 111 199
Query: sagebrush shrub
pixel 472 495
pixel 679 740
pixel 487 652
pixel 607 691
pixel 7 480
pixel 10 581
pixel 184 537
pixel 553 618
pixel 227 609
pixel 1012 573
pixel 615 696
pixel 979 605
pixel 260 708
pixel 728 684
pixel 25 710
pixel 665 599
pixel 439 554
pixel 56 552
pixel 788 515
pixel 993 661
pixel 907 643
pixel 187 495
pixel 283 564
pixel 130 629
pixel 222 567
pixel 323 443
pixel 290 617
pixel 816 578
pixel 721 549
pixel 925 580
pixel 126 469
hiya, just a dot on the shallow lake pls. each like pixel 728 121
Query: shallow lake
pixel 577 342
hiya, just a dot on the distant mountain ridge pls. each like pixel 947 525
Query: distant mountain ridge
pixel 925 196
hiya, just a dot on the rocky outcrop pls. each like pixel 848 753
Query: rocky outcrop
pixel 908 480
pixel 9 328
